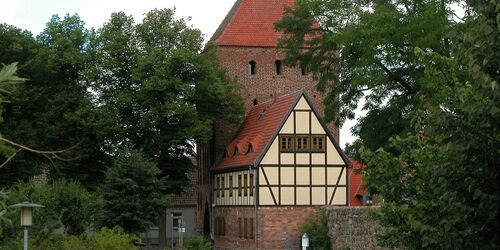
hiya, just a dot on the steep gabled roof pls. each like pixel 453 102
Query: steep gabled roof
pixel 251 23
pixel 260 127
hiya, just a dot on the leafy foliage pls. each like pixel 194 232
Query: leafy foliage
pixel 133 192
pixel 104 239
pixel 198 243
pixel 67 205
pixel 317 229
pixel 442 190
pixel 51 110
pixel 156 91
pixel 364 49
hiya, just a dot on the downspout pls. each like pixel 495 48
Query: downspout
pixel 254 207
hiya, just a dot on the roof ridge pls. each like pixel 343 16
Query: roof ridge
pixel 227 19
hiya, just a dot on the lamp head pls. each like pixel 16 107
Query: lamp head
pixel 26 212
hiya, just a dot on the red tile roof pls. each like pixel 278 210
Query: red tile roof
pixel 356 185
pixel 251 23
pixel 258 132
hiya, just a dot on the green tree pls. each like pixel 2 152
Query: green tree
pixel 52 109
pixel 431 84
pixel 133 192
pixel 157 91
pixel 364 49
pixel 442 191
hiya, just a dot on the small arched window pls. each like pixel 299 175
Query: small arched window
pixel 250 148
pixel 252 68
pixel 277 66
pixel 236 151
pixel 255 102
pixel 303 71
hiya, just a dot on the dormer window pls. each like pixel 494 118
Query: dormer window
pixel 252 68
pixel 277 66
pixel 250 148
pixel 236 151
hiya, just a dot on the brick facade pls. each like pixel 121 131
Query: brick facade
pixel 277 227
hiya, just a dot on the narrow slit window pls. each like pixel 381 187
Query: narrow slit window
pixel 251 184
pixel 230 186
pixel 223 186
pixel 278 67
pixel 239 227
pixel 245 182
pixel 245 227
pixel 239 185
pixel 303 71
pixel 252 68
pixel 250 228
pixel 236 151
pixel 217 189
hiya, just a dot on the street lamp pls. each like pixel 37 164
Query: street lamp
pixel 26 217
pixel 305 241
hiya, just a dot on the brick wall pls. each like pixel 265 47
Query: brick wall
pixel 362 229
pixel 231 239
pixel 278 227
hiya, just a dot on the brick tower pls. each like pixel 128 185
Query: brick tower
pixel 247 50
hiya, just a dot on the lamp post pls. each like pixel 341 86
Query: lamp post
pixel 26 217
pixel 305 241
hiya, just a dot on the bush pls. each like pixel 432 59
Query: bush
pixel 112 239
pixel 68 206
pixel 317 229
pixel 104 239
pixel 198 243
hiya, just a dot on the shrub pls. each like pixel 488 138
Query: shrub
pixel 112 239
pixel 67 204
pixel 198 243
pixel 317 229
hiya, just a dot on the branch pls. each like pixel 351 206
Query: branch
pixel 53 154
pixel 10 158
pixel 391 75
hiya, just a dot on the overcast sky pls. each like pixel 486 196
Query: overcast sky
pixel 206 15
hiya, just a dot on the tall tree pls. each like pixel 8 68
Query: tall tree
pixel 151 82
pixel 359 49
pixel 52 109
pixel 439 181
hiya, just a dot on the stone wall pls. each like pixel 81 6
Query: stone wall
pixel 359 235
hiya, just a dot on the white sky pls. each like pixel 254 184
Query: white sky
pixel 206 15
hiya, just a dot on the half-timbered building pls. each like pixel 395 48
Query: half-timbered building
pixel 282 164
